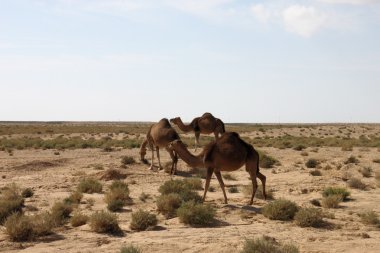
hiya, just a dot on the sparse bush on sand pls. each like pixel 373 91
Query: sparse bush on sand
pixel 130 249
pixel 267 244
pixel 336 191
pixel 78 219
pixel 196 214
pixel 168 204
pixel 104 222
pixel 332 201
pixel 356 183
pixel 370 218
pixel 311 163
pixel 143 220
pixel 90 185
pixel 280 209
pixel 309 217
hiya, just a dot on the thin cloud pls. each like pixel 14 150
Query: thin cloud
pixel 261 13
pixel 354 2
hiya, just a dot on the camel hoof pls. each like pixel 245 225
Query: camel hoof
pixel 150 168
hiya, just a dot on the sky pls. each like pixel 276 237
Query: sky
pixel 249 61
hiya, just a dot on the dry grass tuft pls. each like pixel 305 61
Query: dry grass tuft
pixel 143 220
pixel 60 212
pixel 112 174
pixel 280 209
pixel 336 191
pixel 370 218
pixel 104 222
pixel 356 183
pixel 130 249
pixel 168 204
pixel 117 196
pixel 196 214
pixel 90 185
pixel 267 245
pixel 309 217
pixel 78 219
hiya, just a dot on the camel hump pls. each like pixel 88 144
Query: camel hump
pixel 207 114
pixel 164 122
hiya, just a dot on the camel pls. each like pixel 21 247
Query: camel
pixel 228 153
pixel 159 136
pixel 206 124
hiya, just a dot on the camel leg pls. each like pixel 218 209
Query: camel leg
pixel 174 157
pixel 252 172
pixel 152 165
pixel 158 157
pixel 208 178
pixel 221 183
pixel 197 134
pixel 263 180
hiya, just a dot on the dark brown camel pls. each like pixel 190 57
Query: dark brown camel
pixel 227 153
pixel 206 124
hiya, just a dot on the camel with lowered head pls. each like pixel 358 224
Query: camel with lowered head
pixel 159 136
pixel 206 124
pixel 227 153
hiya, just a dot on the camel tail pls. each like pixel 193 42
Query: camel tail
pixel 143 151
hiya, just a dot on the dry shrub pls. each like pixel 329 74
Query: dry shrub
pixel 181 187
pixel 117 196
pixel 11 202
pixel 19 227
pixel 43 224
pixel 125 160
pixel 27 193
pixel 309 217
pixel 168 204
pixel 229 176
pixel 267 245
pixel 336 191
pixel 366 171
pixel 315 202
pixel 316 173
pixel 299 147
pixel 280 209
pixel 233 189
pixel 78 219
pixel 356 183
pixel 74 198
pixel 370 218
pixel 195 183
pixel 90 185
pixel 104 222
pixel 196 214
pixel 267 161
pixel 332 201
pixel 247 190
pixel 112 174
pixel 311 163
pixel 130 249
pixel 351 159
pixel 142 220
pixel 60 213
pixel 144 196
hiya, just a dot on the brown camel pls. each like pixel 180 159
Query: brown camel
pixel 228 153
pixel 206 124
pixel 159 136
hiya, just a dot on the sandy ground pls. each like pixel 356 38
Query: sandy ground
pixel 56 179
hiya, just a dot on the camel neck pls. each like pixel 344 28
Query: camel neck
pixel 187 157
pixel 183 127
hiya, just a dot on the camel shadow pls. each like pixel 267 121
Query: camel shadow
pixel 51 238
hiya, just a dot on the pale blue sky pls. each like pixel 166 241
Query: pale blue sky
pixel 243 60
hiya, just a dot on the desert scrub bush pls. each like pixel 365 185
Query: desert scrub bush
pixel 280 209
pixel 117 196
pixel 60 212
pixel 356 183
pixel 168 204
pixel 112 174
pixel 336 191
pixel 315 202
pixel 351 159
pixel 144 196
pixel 332 201
pixel 309 217
pixel 370 218
pixel 195 183
pixel 311 163
pixel 182 188
pixel 130 249
pixel 267 245
pixel 27 193
pixel 229 176
pixel 299 147
pixel 125 160
pixel 104 222
pixel 11 202
pixel 196 214
pixel 267 161
pixel 233 189
pixel 247 191
pixel 142 220
pixel 74 198
pixel 90 185
pixel 366 171
pixel 19 227
pixel 78 219
pixel 316 173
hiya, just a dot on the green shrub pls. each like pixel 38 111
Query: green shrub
pixel 60 212
pixel 130 249
pixel 90 185
pixel 356 183
pixel 351 159
pixel 27 193
pixel 370 218
pixel 168 204
pixel 280 209
pixel 336 191
pixel 309 217
pixel 267 245
pixel 78 219
pixel 142 220
pixel 332 201
pixel 104 222
pixel 196 214
pixel 19 227
pixel 125 160
pixel 311 163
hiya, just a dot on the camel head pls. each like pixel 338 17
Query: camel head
pixel 175 120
